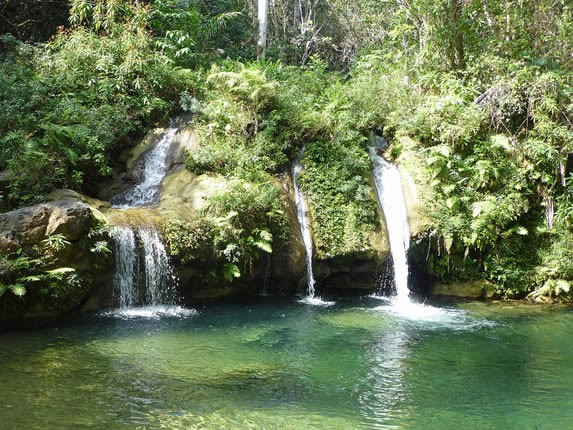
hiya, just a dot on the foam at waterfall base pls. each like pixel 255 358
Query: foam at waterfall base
pixel 429 316
pixel 151 312
pixel 315 301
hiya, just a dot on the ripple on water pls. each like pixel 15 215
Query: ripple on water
pixel 315 301
pixel 151 312
pixel 427 316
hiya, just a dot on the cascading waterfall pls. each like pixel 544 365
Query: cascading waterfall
pixel 157 267
pixel 141 249
pixel 302 215
pixel 391 198
pixel 148 191
pixel 125 253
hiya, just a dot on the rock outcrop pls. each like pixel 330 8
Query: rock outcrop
pixel 479 289
pixel 24 236
pixel 415 184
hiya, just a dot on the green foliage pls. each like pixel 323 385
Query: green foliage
pixel 17 289
pixel 101 247
pixel 238 130
pixel 33 271
pixel 184 32
pixel 69 102
pixel 55 243
pixel 233 231
pixel 343 209
pixel 249 125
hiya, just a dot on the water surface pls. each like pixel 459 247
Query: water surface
pixel 280 364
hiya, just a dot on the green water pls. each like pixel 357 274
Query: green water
pixel 284 365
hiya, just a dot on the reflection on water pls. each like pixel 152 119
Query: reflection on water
pixel 382 401
pixel 358 364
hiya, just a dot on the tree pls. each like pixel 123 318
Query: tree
pixel 263 11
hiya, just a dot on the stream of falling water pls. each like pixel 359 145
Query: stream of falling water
pixel 148 191
pixel 143 274
pixel 303 222
pixel 125 254
pixel 391 198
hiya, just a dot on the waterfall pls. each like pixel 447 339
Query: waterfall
pixel 125 265
pixel 143 273
pixel 303 222
pixel 157 267
pixel 302 215
pixel 140 250
pixel 148 191
pixel 391 198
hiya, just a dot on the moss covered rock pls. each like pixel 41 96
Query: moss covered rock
pixel 415 184
pixel 480 289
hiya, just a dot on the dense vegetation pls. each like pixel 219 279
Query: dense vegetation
pixel 484 89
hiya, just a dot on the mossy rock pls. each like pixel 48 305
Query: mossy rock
pixel 185 193
pixel 478 289
pixel 418 194
pixel 24 231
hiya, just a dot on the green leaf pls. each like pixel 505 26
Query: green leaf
pixel 61 270
pixel 231 271
pixel 266 235
pixel 265 246
pixel 31 278
pixel 522 231
pixel 17 289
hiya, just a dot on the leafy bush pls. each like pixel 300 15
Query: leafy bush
pixel 236 228
pixel 343 209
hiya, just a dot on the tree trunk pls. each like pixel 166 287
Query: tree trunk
pixel 263 11
pixel 456 38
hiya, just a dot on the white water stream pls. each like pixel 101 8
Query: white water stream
pixel 391 198
pixel 143 273
pixel 125 254
pixel 303 222
pixel 148 191
pixel 142 269
pixel 302 215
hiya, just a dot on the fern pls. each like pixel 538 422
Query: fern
pixel 17 289
pixel 60 271
pixel 56 242
pixel 231 271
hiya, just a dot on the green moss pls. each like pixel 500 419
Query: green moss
pixel 343 210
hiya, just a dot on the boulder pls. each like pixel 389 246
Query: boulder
pixel 185 193
pixel 25 229
pixel 186 140
pixel 30 225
